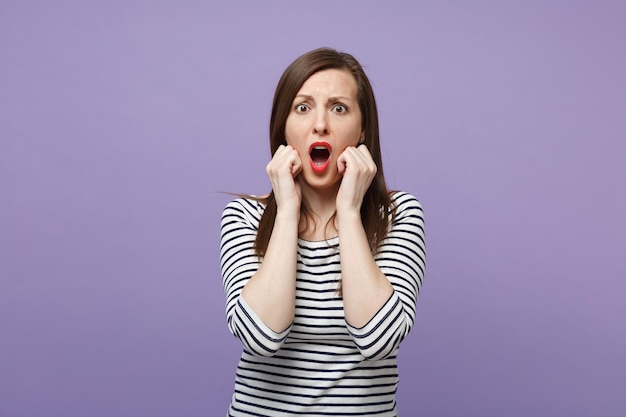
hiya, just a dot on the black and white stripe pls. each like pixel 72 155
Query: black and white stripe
pixel 320 365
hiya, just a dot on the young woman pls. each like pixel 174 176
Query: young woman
pixel 322 275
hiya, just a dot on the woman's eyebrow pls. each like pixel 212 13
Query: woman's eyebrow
pixel 304 97
pixel 339 98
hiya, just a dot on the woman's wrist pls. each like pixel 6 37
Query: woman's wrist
pixel 348 214
pixel 286 216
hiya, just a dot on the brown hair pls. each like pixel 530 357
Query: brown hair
pixel 376 212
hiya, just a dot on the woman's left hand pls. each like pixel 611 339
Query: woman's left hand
pixel 358 170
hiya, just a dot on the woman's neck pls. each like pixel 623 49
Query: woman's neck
pixel 321 205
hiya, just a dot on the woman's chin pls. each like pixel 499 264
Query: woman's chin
pixel 321 182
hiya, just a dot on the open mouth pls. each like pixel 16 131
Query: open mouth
pixel 319 153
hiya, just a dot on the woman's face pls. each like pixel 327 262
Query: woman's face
pixel 325 119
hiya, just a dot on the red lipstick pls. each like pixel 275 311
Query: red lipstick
pixel 319 156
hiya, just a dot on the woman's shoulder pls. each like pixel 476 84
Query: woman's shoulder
pixel 407 213
pixel 401 200
pixel 246 205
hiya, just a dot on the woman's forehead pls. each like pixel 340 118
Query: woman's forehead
pixel 330 82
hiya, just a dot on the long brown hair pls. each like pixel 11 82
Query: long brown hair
pixel 376 212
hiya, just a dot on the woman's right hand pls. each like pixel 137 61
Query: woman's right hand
pixel 282 171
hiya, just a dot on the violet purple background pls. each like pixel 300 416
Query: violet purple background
pixel 121 122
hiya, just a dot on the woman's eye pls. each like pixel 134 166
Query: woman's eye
pixel 340 108
pixel 301 108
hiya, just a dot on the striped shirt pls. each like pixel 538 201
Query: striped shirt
pixel 320 365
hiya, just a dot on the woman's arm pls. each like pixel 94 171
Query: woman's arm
pixel 365 288
pixel 260 293
pixel 377 315
pixel 271 292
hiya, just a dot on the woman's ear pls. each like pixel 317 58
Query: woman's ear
pixel 362 138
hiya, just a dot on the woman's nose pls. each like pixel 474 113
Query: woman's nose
pixel 321 124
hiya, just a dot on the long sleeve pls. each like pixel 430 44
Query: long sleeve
pixel 402 259
pixel 238 262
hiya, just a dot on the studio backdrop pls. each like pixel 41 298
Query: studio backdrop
pixel 125 124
